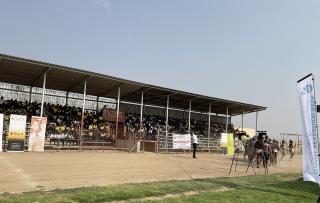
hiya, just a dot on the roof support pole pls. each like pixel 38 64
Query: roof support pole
pixel 216 118
pixel 209 126
pixel 167 122
pixel 184 116
pixel 118 110
pixel 189 120
pixel 242 120
pixel 43 93
pixel 30 94
pixel 141 116
pixel 82 115
pixel 227 120
pixel 97 104
pixel 256 122
pixel 67 98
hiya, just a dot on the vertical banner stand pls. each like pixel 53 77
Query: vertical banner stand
pixel 312 137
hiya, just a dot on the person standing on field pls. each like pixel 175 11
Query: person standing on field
pixel 258 146
pixel 291 149
pixel 194 144
pixel 283 149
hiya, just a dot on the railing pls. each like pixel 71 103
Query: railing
pixel 69 139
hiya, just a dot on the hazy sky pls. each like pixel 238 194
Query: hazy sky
pixel 250 51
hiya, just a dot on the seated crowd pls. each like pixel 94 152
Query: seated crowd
pixel 153 124
pixel 64 122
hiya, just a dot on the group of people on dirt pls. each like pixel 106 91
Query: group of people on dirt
pixel 266 151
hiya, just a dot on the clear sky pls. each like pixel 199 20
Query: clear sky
pixel 250 51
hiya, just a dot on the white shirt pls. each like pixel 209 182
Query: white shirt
pixel 194 139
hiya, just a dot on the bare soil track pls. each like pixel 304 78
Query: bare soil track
pixel 23 172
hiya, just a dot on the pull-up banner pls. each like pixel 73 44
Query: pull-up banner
pixel 1 131
pixel 37 134
pixel 17 133
pixel 227 142
pixel 309 127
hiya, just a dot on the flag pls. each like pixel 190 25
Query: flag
pixel 309 129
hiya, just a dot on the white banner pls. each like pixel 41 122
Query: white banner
pixel 224 139
pixel 17 132
pixel 309 127
pixel 37 134
pixel 181 141
pixel 1 131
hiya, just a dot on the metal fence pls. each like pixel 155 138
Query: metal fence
pixel 68 138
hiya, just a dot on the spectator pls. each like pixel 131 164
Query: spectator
pixel 194 144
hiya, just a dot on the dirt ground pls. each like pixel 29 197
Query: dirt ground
pixel 22 172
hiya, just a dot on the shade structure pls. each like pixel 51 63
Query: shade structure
pixel 22 71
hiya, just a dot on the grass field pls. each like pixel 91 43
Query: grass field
pixel 282 187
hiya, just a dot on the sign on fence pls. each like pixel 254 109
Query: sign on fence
pixel 110 115
pixel 181 141
pixel 227 142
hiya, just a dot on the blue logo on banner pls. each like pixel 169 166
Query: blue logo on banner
pixel 308 88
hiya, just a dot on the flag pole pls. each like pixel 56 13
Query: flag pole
pixel 315 104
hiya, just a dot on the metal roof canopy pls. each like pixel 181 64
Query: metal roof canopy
pixel 28 72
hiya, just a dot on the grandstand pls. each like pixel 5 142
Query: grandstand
pixel 92 110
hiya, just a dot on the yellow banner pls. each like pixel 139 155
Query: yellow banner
pixel 17 132
pixel 17 135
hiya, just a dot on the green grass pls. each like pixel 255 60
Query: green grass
pixel 269 188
